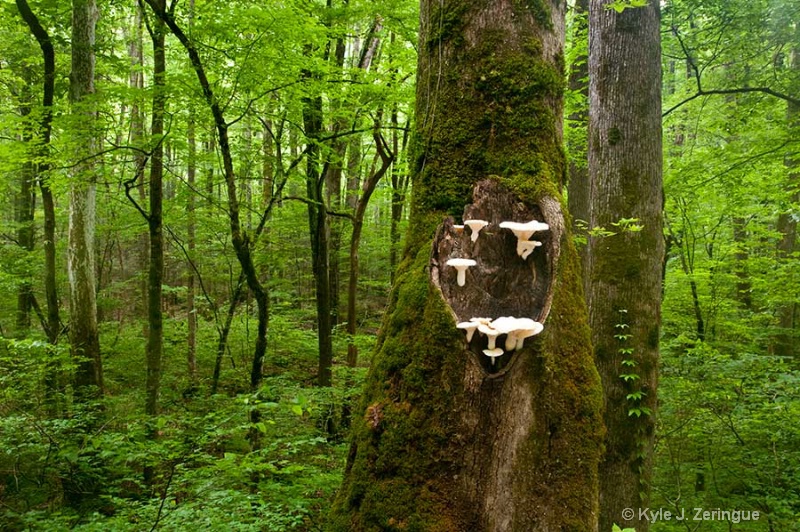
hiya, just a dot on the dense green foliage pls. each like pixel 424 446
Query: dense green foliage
pixel 727 437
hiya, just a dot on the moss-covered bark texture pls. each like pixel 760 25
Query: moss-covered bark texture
pixel 441 444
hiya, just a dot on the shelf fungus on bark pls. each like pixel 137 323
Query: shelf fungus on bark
pixel 461 266
pixel 501 285
pixel 475 226
pixel 470 327
pixel 490 333
pixel 523 231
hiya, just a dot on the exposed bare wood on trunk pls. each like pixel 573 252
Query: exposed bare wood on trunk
pixel 624 270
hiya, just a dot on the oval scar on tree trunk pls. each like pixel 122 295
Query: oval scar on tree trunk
pixel 501 283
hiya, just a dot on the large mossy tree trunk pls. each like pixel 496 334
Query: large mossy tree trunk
pixel 625 270
pixel 446 440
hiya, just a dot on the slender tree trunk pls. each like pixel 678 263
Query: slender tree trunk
pixel 23 216
pixel 222 342
pixel 318 230
pixel 53 321
pixel 191 310
pixel 446 440
pixel 333 183
pixel 786 341
pixel 84 339
pixel 155 321
pixel 624 270
pixel 136 83
pixel 355 242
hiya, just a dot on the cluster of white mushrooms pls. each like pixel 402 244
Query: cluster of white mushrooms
pixel 515 329
pixel 523 231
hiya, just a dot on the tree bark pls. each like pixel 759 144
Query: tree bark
pixel 53 321
pixel 624 270
pixel 84 338
pixel 446 441
pixel 155 320
pixel 786 341
pixel 191 310
pixel 23 216
pixel 355 242
pixel 137 133
pixel 318 231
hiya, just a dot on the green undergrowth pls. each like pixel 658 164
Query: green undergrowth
pixel 82 469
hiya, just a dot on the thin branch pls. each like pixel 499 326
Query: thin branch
pixel 254 100
pixel 702 92
pixel 192 264
pixel 740 90
pixel 130 184
pixel 319 203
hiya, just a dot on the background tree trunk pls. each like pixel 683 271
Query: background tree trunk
pixel 318 231
pixel 84 339
pixel 786 340
pixel 624 270
pixel 445 440
pixel 52 322
pixel 191 223
pixel 23 216
pixel 155 321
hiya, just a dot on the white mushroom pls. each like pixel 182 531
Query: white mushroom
pixel 526 328
pixel 476 226
pixel 458 228
pixel 526 247
pixel 470 327
pixel 485 321
pixel 507 325
pixel 493 353
pixel 461 266
pixel 523 231
pixel 490 332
